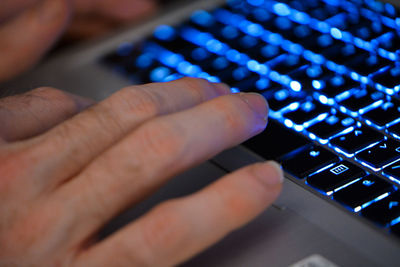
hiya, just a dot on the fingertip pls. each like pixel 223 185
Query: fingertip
pixel 269 173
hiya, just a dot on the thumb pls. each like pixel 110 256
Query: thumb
pixel 27 37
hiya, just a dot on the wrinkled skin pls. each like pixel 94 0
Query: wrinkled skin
pixel 69 165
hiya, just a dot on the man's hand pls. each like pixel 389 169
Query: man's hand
pixel 62 181
pixel 29 28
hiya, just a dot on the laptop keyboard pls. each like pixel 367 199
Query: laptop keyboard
pixel 330 71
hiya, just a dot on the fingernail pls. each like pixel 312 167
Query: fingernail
pixel 222 88
pixel 268 176
pixel 257 103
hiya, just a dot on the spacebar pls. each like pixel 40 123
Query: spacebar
pixel 276 142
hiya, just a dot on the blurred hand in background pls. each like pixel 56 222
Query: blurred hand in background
pixel 29 28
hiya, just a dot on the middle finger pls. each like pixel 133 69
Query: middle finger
pixel 159 149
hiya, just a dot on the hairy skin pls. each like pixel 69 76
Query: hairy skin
pixel 69 165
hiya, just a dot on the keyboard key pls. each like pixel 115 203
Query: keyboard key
pixel 395 229
pixel 361 100
pixel 390 79
pixel 307 112
pixel 335 177
pixel 356 140
pixel 366 65
pixel 331 126
pixel 393 171
pixel 309 161
pixel 332 87
pixel 360 194
pixel 383 115
pixel 384 211
pixel 380 154
pixel 281 99
pixel 267 143
pixel 394 130
pixel 288 63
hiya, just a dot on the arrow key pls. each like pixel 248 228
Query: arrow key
pixel 380 154
pixel 385 211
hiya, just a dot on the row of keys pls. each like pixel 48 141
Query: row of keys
pixel 343 181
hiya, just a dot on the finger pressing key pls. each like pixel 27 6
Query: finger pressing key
pixel 156 151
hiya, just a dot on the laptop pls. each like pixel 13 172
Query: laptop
pixel 330 70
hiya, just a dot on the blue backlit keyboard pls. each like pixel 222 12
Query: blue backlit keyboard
pixel 330 71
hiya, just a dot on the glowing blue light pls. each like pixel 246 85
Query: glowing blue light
pixel 164 32
pixel 216 47
pixel 262 84
pixel 255 2
pixel 159 74
pixel 230 32
pixel 170 59
pixel 273 38
pixel 318 84
pixel 288 123
pixel 188 69
pixel 281 9
pixel 253 65
pixel 203 18
pixel 295 86
pixel 254 29
pixel 144 61
pixel 323 99
pixel 235 90
pixel 336 33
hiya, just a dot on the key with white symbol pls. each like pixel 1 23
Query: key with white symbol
pixel 363 193
pixel 380 154
pixel 385 211
pixel 356 140
pixel 393 171
pixel 309 161
pixel 336 177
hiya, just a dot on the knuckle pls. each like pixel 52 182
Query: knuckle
pixel 162 139
pixel 133 99
pixel 65 102
pixel 197 85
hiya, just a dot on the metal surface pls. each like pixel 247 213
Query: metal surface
pixel 299 225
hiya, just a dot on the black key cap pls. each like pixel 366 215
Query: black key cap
pixel 393 171
pixel 390 79
pixel 394 130
pixel 308 111
pixel 383 115
pixel 309 161
pixel 288 63
pixel 392 44
pixel 248 84
pixel 360 194
pixel 266 145
pixel 281 99
pixel 333 178
pixel 380 154
pixel 395 229
pixel 356 140
pixel 368 65
pixel 336 85
pixel 384 211
pixel 331 126
pixel 361 101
